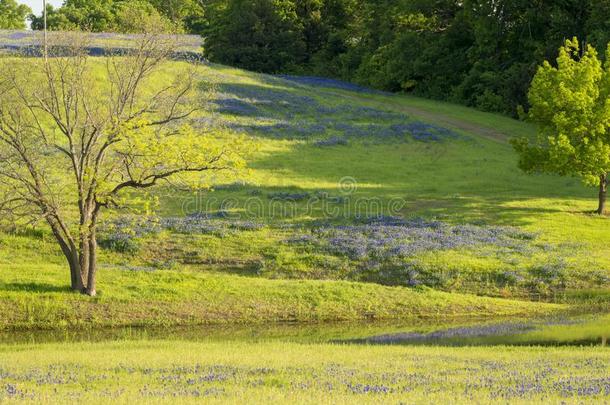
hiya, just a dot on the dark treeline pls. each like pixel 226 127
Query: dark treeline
pixel 481 53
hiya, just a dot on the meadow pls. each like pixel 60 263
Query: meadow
pixel 347 189
pixel 11 40
pixel 555 360
pixel 281 372
pixel 378 248
pixel 438 181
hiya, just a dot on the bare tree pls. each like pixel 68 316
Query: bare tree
pixel 78 132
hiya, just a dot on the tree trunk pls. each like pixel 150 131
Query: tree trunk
pixel 91 278
pixel 76 276
pixel 84 258
pixel 72 257
pixel 92 249
pixel 603 194
pixel 76 279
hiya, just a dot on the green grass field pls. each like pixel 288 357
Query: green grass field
pixel 35 296
pixel 379 249
pixel 471 180
pixel 275 247
pixel 284 372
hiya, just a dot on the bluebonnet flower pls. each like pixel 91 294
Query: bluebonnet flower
pixel 329 83
pixel 236 106
pixel 333 141
pixel 286 196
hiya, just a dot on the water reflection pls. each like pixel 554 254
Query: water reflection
pixel 584 330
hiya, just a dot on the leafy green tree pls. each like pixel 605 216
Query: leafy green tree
pixel 12 15
pixel 331 40
pixel 259 35
pixel 309 14
pixel 56 20
pixel 416 46
pixel 139 16
pixel 126 16
pixel 90 15
pixel 86 15
pixel 571 105
pixel 186 13
pixel 79 135
pixel 598 24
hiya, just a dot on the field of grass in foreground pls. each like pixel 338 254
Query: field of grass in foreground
pixel 281 372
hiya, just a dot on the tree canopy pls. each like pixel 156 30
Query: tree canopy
pixel 259 35
pixel 128 16
pixel 481 53
pixel 77 133
pixel 570 102
pixel 12 15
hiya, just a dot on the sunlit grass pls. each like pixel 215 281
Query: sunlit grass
pixel 470 180
pixel 282 372
pixel 35 296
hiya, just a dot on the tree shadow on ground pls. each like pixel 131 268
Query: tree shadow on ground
pixel 309 206
pixel 483 210
pixel 33 287
pixel 288 114
pixel 504 197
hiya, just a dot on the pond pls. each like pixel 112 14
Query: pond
pixel 583 331
pixel 586 330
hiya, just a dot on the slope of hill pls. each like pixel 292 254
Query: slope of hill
pixel 344 184
pixel 429 193
pixel 18 39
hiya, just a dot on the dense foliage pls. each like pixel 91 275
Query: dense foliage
pixel 12 14
pixel 106 125
pixel 481 53
pixel 103 15
pixel 571 106
pixel 258 35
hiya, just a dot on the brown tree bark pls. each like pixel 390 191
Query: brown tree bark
pixel 92 270
pixel 92 251
pixel 71 255
pixel 603 194
pixel 77 283
pixel 84 259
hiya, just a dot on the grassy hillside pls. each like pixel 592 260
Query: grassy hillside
pixel 330 156
pixel 343 184
pixel 18 39
pixel 34 297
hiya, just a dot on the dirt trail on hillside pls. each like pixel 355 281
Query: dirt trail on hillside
pixel 445 120
pixel 438 118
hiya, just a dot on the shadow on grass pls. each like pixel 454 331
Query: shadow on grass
pixel 277 204
pixel 34 287
pixel 479 211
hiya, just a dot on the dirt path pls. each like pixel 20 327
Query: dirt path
pixel 455 123
pixel 433 117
